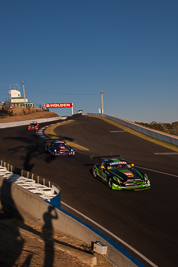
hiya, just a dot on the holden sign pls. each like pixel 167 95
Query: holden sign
pixel 59 105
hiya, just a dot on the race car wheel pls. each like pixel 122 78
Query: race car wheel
pixel 110 182
pixel 94 172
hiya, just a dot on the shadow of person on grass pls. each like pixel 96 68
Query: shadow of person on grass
pixel 48 229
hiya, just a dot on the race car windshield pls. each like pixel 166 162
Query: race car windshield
pixel 117 165
pixel 58 145
pixel 58 142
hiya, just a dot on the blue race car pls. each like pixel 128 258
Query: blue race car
pixel 59 148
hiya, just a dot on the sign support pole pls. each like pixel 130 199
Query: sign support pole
pixel 102 110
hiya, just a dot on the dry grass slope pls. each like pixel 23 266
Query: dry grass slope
pixel 23 114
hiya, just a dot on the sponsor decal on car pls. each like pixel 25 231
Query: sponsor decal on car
pixel 128 174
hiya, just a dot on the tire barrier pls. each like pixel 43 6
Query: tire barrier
pixel 154 134
pixel 34 184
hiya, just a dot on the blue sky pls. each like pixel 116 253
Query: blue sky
pixel 71 50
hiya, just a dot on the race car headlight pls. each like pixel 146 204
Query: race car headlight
pixel 117 179
pixel 145 177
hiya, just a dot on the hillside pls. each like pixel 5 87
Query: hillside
pixel 23 114
pixel 169 128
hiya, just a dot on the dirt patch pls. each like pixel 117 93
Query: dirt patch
pixel 25 244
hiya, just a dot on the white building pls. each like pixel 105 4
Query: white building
pixel 16 99
pixel 15 93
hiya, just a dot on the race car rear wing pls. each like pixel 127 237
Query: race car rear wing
pixel 99 157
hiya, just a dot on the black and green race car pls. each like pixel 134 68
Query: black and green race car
pixel 118 174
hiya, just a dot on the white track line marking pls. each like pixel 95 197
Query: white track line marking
pixel 117 131
pixel 143 168
pixel 110 233
pixel 158 171
pixel 166 153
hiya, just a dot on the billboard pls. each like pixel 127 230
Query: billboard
pixel 58 105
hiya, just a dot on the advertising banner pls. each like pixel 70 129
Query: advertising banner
pixel 58 105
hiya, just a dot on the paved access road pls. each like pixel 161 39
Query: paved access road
pixel 146 221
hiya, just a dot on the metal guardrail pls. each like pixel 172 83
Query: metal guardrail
pixel 149 132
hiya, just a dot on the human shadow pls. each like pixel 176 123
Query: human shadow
pixel 14 245
pixel 26 151
pixel 48 216
pixel 14 239
pixel 60 137
pixel 27 261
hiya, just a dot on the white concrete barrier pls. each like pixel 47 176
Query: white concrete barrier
pixel 21 123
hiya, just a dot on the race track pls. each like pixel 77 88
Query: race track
pixel 146 221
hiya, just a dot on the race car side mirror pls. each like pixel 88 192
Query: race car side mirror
pixel 132 165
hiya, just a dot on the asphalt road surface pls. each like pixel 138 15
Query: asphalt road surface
pixel 144 223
